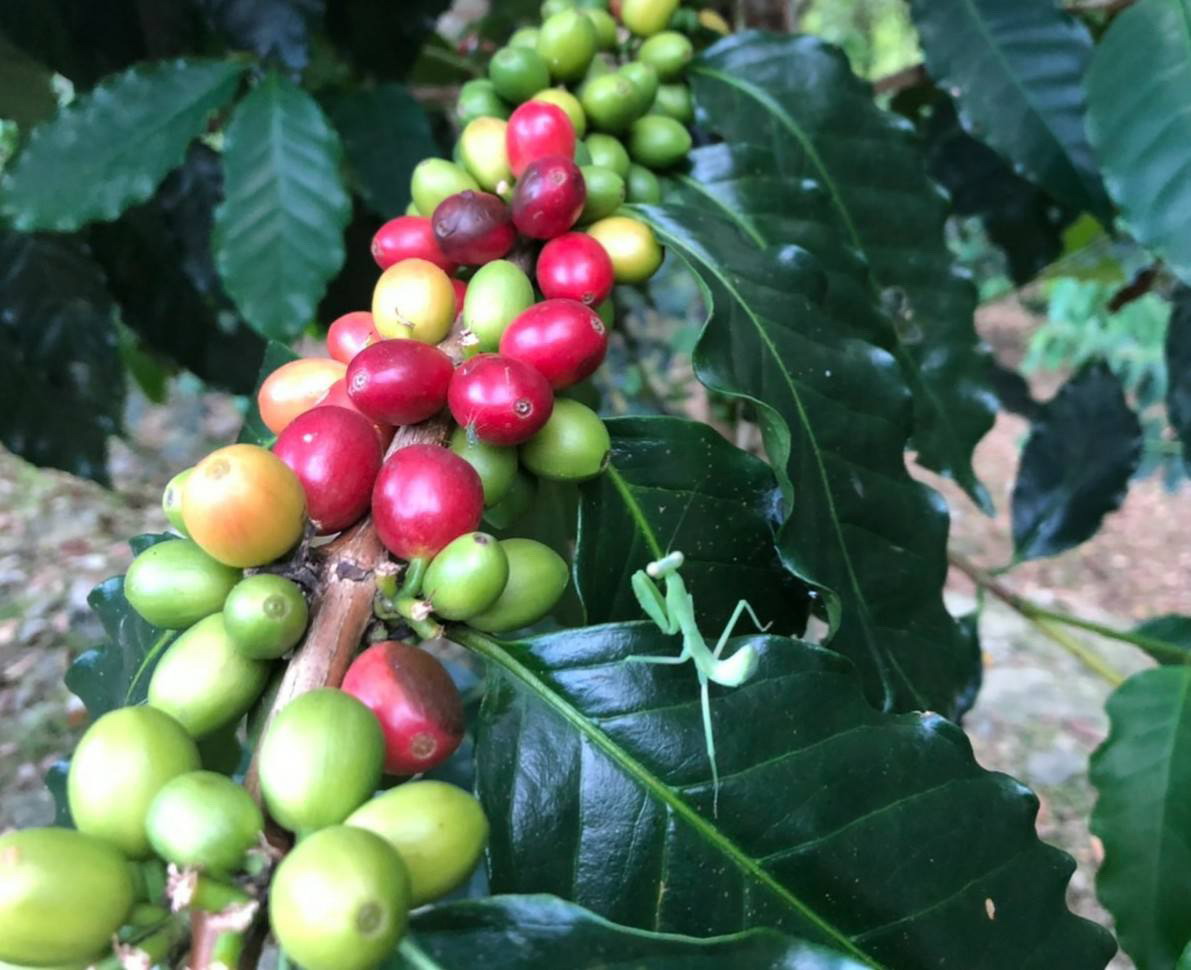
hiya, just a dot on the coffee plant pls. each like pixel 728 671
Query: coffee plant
pixel 438 666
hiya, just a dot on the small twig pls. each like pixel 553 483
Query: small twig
pixel 1044 620
pixel 1141 284
pixel 907 77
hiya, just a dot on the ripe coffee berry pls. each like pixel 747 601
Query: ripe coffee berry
pixel 535 130
pixel 399 381
pixel 295 387
pixel 575 267
pixel 474 228
pixel 350 334
pixel 562 340
pixel 424 497
pixel 408 237
pixel 337 397
pixel 336 456
pixel 415 700
pixel 501 400
pixel 549 197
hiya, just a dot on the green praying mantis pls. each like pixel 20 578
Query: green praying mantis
pixel 674 612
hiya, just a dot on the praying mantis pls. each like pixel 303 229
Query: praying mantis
pixel 674 612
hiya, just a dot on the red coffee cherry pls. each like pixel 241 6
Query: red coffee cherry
pixel 549 197
pixel 562 340
pixel 574 266
pixel 424 497
pixel 399 381
pixel 350 334
pixel 337 397
pixel 336 456
pixel 503 401
pixel 474 228
pixel 408 237
pixel 415 700
pixel 537 129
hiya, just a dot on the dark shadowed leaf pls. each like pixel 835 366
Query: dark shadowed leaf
pixel 1173 631
pixel 1016 68
pixel 1178 369
pixel 835 415
pixel 111 147
pixel 532 932
pixel 1076 464
pixel 1140 129
pixel 875 834
pixel 1014 392
pixel 678 485
pixel 55 781
pixel 1143 815
pixel 26 92
pixel 384 37
pixel 385 133
pixel 253 431
pixel 61 378
pixel 279 231
pixel 157 259
pixel 275 30
pixel 797 98
pixel 1017 215
pixel 116 673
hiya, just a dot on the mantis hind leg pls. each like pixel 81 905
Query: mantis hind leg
pixel 709 741
pixel 741 607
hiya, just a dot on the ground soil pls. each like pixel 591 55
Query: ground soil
pixel 1038 717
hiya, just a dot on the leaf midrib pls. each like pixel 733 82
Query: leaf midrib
pixel 493 651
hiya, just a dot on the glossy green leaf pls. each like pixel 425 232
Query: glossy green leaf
pixel 279 231
pixel 1139 123
pixel 61 377
pixel 253 431
pixel 1143 815
pixel 797 98
pixel 531 932
pixel 1076 464
pixel 116 673
pixel 835 416
pixel 678 485
pixel 385 132
pixel 1178 369
pixel 111 147
pixel 1173 632
pixel 875 834
pixel 1016 68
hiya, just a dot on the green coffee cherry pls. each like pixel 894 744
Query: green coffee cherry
pixel 668 53
pixel 592 4
pixel 203 682
pixel 643 185
pixel 631 245
pixel 605 193
pixel 340 900
pixel 62 896
pixel 496 465
pixel 524 37
pixel 174 584
pixel 122 762
pixel 537 578
pixel 517 72
pixel 645 82
pixel 320 758
pixel 567 42
pixel 600 65
pixel 514 505
pixel 605 28
pixel 582 155
pixel 550 7
pixel 646 17
pixel 495 296
pixel 171 501
pixel 466 577
pixel 205 820
pixel 478 99
pixel 482 149
pixel 569 104
pixel 658 142
pixel 611 102
pixel 265 616
pixel 439 831
pixel 435 179
pixel 572 446
pixel 608 152
pixel 674 101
